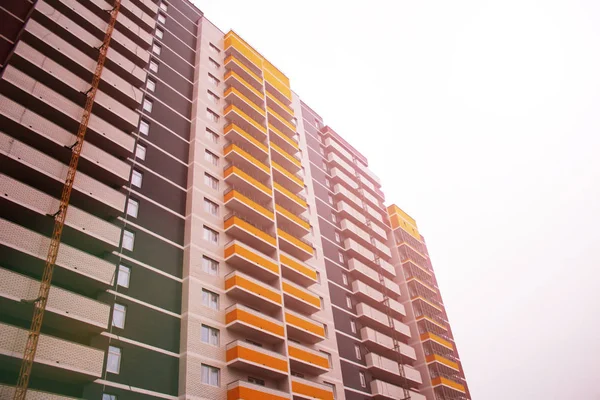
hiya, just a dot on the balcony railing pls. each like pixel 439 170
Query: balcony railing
pixel 254 324
pixel 303 328
pixel 240 390
pixel 252 292
pixel 248 357
pixel 306 360
pixel 311 390
pixel 251 261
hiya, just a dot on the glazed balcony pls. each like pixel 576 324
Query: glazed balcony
pixel 436 358
pixel 253 324
pixel 432 305
pixel 431 325
pixel 448 383
pixel 300 299
pixel 251 261
pixel 376 319
pixel 421 285
pixel 238 99
pixel 236 46
pixel 306 360
pixel 256 360
pixel 248 208
pixel 285 178
pixel 279 122
pixel 233 63
pixel 295 246
pixel 252 292
pixel 243 390
pixel 293 223
pixel 279 107
pixel 236 135
pixel 306 389
pixel 297 271
pixel 380 343
pixel 238 178
pixel 381 390
pixel 236 116
pixel 303 329
pixel 243 159
pixel 291 162
pixel 294 202
pixel 280 139
pixel 234 80
pixel 389 370
pixel 251 234
pixel 437 339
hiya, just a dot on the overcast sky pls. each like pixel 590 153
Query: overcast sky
pixel 482 118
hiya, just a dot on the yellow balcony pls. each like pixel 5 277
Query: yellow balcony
pixel 280 108
pixel 234 44
pixel 418 282
pixel 248 209
pixel 297 271
pixel 247 123
pixel 238 136
pixel 303 329
pixel 278 88
pixel 256 360
pixel 305 360
pixel 238 99
pixel 285 126
pixel 305 389
pixel 440 380
pixel 243 390
pixel 252 292
pixel 293 202
pixel 253 324
pixel 432 324
pixel 288 161
pixel 241 158
pixel 285 178
pixel 236 177
pixel 297 247
pixel 300 299
pixel 442 360
pixel 232 79
pixel 236 227
pixel 435 338
pixel 233 63
pixel 428 302
pixel 250 261
pixel 291 222
pixel 285 142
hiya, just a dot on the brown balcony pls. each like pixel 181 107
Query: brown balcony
pixel 252 292
pixel 238 117
pixel 279 122
pixel 253 235
pixel 236 155
pixel 297 247
pixel 300 299
pixel 251 261
pixel 306 389
pixel 253 324
pixel 256 360
pixel 243 390
pixel 237 177
pixel 279 107
pixel 233 63
pixel 285 178
pixel 304 329
pixel 296 271
pixel 306 360
pixel 236 46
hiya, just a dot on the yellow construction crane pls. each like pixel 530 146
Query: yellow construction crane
pixel 39 304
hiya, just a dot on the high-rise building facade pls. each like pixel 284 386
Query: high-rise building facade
pixel 221 242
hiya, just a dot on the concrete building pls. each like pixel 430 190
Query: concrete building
pixel 221 241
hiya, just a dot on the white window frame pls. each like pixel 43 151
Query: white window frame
pixel 208 264
pixel 211 157
pixel 123 276
pixel 213 79
pixel 159 33
pixel 357 352
pixel 128 237
pixel 147 105
pixel 156 49
pixel 337 236
pixel 363 379
pixel 137 178
pixel 210 235
pixel 348 301
pixel 140 151
pixel 212 97
pixel 345 278
pixel 107 396
pixel 211 207
pixel 210 335
pixel 151 84
pixel 214 182
pixel 162 18
pixel 133 207
pixel 353 326
pixel 119 315
pixel 153 66
pixel 113 357
pixel 207 377
pixel 207 299
pixel 340 257
pixel 214 48
pixel 144 127
pixel 212 136
pixel 213 63
pixel 212 116
pixel 164 6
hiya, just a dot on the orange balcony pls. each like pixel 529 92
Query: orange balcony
pixel 279 107
pixel 285 178
pixel 277 87
pixel 290 201
pixel 442 381
pixel 285 142
pixel 254 359
pixel 435 338
pixel 241 158
pixel 233 63
pixel 296 224
pixel 243 390
pixel 232 79
pixel 235 45
pixel 296 271
pixel 300 299
pixel 240 118
pixel 305 389
pixel 250 261
pixel 253 324
pixel 251 145
pixel 305 360
pixel 252 292
pixel 290 162
pixel 279 122
pixel 238 99
pixel 238 228
pixel 238 178
pixel 297 247
pixel 442 360
pixel 248 209
pixel 303 329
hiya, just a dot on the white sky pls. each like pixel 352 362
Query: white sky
pixel 482 119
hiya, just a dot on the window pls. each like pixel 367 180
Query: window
pixel 211 207
pixel 322 151
pixel 164 6
pixel 211 181
pixel 113 361
pixel 334 218
pixel 151 85
pixel 213 97
pixel 214 48
pixel 161 18
pixel 153 66
pixel 140 151
pixel 136 178
pixel 210 335
pixel 341 257
pixel 211 158
pixel 318 277
pixel 119 312
pixel 133 207
pixel 160 33
pixel 210 266
pixel 295 121
pixel 348 302
pixel 357 352
pixel 256 381
pixel 210 299
pixel 328 358
pixel 128 240
pixel 106 396
pixel 212 116
pixel 213 137
pixel 318 123
pixel 322 303
pixel 330 199
pixel 213 63
pixel 144 127
pixel 147 105
pixel 337 237
pixel 344 278
pixel 210 375
pixel 213 79
pixel 211 235
pixel 328 183
pixel 353 326
pixel 326 329
pixel 123 276
pixel 156 49
pixel 363 380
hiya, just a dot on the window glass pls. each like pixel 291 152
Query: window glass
pixel 119 312
pixel 210 335
pixel 128 240
pixel 210 299
pixel 136 178
pixel 210 266
pixel 210 375
pixel 123 276
pixel 211 235
pixel 113 361
pixel 133 207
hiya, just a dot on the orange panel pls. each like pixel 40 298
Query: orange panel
pixel 244 393
pixel 302 323
pixel 293 177
pixel 247 177
pixel 308 297
pixel 308 357
pixel 246 117
pixel 292 216
pixel 297 266
pixel 250 228
pixel 250 138
pixel 255 258
pixel 289 194
pixel 283 136
pixel 437 339
pixel 256 357
pixel 442 360
pixel 311 391
pixel 252 287
pixel 254 320
pixel 444 381
pixel 294 240
pixel 237 149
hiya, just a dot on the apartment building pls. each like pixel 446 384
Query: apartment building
pixel 220 243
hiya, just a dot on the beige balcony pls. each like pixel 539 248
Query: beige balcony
pixel 289 161
pixel 290 201
pixel 236 135
pixel 300 299
pixel 332 145
pixel 243 390
pixel 145 21
pixel 238 156
pixel 234 80
pixel 337 161
pixel 249 233
pixel 280 139
pixel 256 360
pixel 253 324
pixel 366 293
pixel 342 193
pixel 287 179
pixel 381 390
pixel 238 99
pixel 306 360
pixel 238 117
pixel 57 357
pixel 297 247
pixel 251 261
pixel 65 310
pixel 369 174
pixel 297 271
pixel 303 328
pixel 358 251
pixel 306 389
pixel 347 211
pixel 249 209
pixel 389 370
pixel 353 231
pixel 380 343
pixel 370 276
pixel 252 292
pixel 234 63
pixel 338 176
pixel 297 225
pixel 237 177
pixel 376 319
